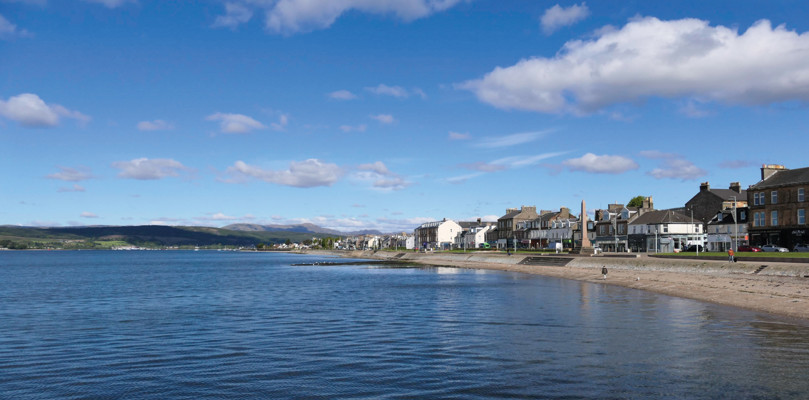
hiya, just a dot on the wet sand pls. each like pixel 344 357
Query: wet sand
pixel 781 288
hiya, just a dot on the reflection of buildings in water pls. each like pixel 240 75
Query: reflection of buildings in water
pixel 447 271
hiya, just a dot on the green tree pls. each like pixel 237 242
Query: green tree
pixel 636 201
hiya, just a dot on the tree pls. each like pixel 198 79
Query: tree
pixel 636 201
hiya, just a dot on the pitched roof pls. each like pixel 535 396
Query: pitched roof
pixel 784 178
pixel 662 216
pixel 727 194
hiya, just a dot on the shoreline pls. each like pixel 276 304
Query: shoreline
pixel 779 288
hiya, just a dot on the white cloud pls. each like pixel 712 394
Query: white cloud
pixel 156 125
pixel 87 214
pixel 75 188
pixel 459 136
pixel 9 30
pixel 342 95
pixel 235 123
pixel 510 140
pixel 648 57
pixel 604 164
pixel 673 166
pixel 149 169
pixel 303 174
pixel 557 17
pixel 31 111
pixel 383 179
pixel 292 16
pixel 111 3
pixel 71 174
pixel 383 118
pixel 235 15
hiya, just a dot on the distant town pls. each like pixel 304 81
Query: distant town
pixel 769 215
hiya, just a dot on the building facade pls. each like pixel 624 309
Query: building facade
pixel 778 206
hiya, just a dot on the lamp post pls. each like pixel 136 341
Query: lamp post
pixel 735 242
pixel 692 226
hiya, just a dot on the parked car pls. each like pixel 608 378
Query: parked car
pixel 694 248
pixel 772 247
pixel 801 248
pixel 749 248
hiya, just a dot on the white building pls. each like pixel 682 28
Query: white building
pixel 474 237
pixel 666 231
pixel 725 232
pixel 437 234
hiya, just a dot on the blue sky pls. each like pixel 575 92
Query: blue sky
pixel 384 114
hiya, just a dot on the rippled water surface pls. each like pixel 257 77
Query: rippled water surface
pixel 148 325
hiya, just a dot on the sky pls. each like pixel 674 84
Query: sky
pixel 384 114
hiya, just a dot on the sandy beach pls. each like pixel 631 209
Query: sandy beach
pixel 779 288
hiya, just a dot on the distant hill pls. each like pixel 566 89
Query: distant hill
pixel 300 228
pixel 156 235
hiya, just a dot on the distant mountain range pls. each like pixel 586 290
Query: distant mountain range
pixel 300 228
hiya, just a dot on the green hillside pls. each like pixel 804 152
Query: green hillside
pixel 146 236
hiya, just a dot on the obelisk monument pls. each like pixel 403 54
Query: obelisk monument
pixel 585 247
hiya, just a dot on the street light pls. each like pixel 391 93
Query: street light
pixel 692 226
pixel 735 227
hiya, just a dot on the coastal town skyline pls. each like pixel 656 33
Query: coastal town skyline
pixel 384 116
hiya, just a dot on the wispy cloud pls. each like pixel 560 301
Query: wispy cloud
pixel 235 123
pixel 87 214
pixel 673 166
pixel 149 169
pixel 381 177
pixel 302 174
pixel 74 188
pixel 603 164
pixel 156 125
pixel 342 95
pixel 10 31
pixel 289 17
pixel 71 174
pixel 383 118
pixel 557 17
pixel 511 140
pixel 459 136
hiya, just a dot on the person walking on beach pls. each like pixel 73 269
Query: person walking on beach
pixel 730 255
pixel 604 271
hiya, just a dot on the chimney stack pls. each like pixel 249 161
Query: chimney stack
pixel 704 186
pixel 768 170
pixel 736 187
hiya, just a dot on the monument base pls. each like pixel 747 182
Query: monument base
pixel 586 251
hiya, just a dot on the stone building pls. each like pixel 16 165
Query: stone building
pixel 708 202
pixel 507 224
pixel 778 207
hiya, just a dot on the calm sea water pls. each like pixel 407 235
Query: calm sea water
pixel 200 325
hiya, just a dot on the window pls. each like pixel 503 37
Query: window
pixel 774 218
pixel 742 215
pixel 800 194
pixel 774 196
pixel 801 216
pixel 758 199
pixel 665 229
pixel 758 219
